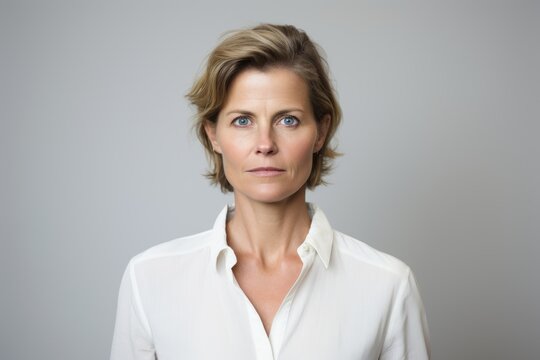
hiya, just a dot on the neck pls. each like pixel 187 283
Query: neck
pixel 268 232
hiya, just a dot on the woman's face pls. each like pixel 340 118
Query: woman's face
pixel 266 133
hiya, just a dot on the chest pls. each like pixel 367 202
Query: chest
pixel 326 319
pixel 266 289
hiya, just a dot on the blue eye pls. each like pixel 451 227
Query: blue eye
pixel 289 121
pixel 241 121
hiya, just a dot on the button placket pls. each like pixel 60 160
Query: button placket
pixel 261 342
pixel 279 324
pixel 268 347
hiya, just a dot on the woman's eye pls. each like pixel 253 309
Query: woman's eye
pixel 289 121
pixel 241 121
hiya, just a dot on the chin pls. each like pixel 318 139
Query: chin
pixel 270 193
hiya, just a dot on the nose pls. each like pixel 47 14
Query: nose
pixel 266 144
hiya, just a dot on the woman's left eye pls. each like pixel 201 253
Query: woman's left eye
pixel 289 121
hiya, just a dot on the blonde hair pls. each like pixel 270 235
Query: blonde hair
pixel 261 47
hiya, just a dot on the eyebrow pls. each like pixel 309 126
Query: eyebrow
pixel 249 113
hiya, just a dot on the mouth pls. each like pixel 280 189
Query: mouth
pixel 266 171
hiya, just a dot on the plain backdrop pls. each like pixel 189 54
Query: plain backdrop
pixel 441 129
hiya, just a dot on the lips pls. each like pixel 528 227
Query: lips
pixel 266 171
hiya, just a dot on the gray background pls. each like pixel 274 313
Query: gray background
pixel 440 135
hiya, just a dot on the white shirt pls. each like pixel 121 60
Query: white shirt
pixel 179 300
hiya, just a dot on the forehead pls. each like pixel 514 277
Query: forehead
pixel 276 86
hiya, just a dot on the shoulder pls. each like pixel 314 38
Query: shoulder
pixel 177 247
pixel 360 253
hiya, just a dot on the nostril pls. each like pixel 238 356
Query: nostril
pixel 266 149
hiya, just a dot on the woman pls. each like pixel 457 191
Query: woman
pixel 272 279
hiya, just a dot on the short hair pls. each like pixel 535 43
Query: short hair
pixel 263 47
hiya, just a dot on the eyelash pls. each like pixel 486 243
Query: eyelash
pixel 291 117
pixel 235 121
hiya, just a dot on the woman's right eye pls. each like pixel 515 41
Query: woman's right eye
pixel 241 121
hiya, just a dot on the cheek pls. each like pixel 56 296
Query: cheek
pixel 302 153
pixel 233 153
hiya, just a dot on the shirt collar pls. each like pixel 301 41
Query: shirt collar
pixel 320 235
pixel 219 242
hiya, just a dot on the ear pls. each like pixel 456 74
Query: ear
pixel 323 127
pixel 210 129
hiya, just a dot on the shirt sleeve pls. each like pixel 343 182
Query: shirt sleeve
pixel 132 339
pixel 407 337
